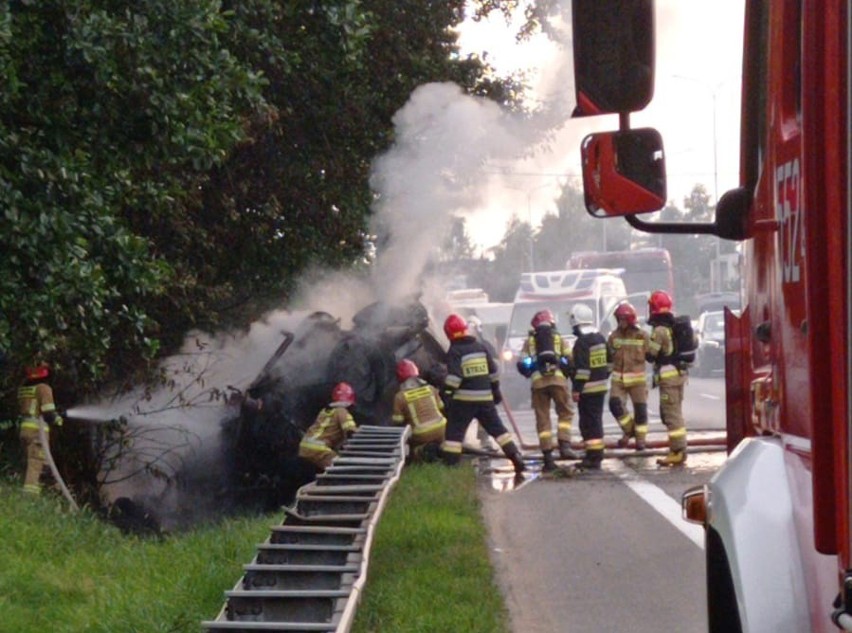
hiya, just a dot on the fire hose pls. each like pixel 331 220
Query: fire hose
pixel 709 443
pixel 45 444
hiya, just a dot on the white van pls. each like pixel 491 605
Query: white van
pixel 558 291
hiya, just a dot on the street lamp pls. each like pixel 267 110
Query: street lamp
pixel 714 90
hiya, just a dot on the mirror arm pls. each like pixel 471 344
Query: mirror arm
pixel 671 227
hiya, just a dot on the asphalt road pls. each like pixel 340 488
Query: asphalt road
pixel 604 551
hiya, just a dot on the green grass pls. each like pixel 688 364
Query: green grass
pixel 429 568
pixel 64 572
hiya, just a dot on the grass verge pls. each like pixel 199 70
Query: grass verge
pixel 72 573
pixel 429 568
pixel 64 572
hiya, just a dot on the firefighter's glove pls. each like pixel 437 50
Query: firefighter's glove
pixel 497 395
pixel 58 421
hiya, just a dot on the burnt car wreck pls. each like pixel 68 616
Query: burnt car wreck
pixel 261 441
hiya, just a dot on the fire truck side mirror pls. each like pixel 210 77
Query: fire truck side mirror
pixel 623 172
pixel 613 55
pixel 732 214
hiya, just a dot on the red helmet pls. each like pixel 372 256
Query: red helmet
pixel 406 369
pixel 627 312
pixel 343 392
pixel 455 327
pixel 543 317
pixel 38 372
pixel 660 302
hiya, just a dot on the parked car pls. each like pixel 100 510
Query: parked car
pixel 710 356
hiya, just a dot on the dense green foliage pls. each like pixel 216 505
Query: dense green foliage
pixel 168 165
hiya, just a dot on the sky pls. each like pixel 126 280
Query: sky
pixel 695 107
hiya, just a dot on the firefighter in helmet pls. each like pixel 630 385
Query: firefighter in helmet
pixel 548 358
pixel 419 405
pixel 37 409
pixel 333 425
pixel 473 383
pixel 669 374
pixel 627 346
pixel 590 383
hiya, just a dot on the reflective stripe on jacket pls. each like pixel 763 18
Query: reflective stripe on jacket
pixel 418 405
pixel 560 348
pixel 627 348
pixel 33 401
pixel 591 361
pixel 662 346
pixel 472 372
pixel 328 432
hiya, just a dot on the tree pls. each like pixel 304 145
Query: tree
pixel 173 165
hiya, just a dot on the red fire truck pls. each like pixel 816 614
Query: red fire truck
pixel 778 513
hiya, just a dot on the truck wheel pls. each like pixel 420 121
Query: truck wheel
pixel 722 608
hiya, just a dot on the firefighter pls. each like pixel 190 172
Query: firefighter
pixel 547 356
pixel 333 425
pixel 669 375
pixel 418 404
pixel 590 382
pixel 627 346
pixel 473 384
pixel 37 409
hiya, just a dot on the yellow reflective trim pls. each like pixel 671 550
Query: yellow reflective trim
pixel 630 342
pixel 451 447
pixel 505 438
pixel 677 433
pixel 429 427
pixel 416 394
pixel 597 358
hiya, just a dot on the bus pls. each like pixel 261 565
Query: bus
pixel 644 269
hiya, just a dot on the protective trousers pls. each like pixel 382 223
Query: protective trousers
pixel 561 398
pixel 459 417
pixel 36 459
pixel 591 408
pixel 671 411
pixel 638 395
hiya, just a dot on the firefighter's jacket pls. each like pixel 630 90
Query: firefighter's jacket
pixel 627 349
pixel 472 372
pixel 36 406
pixel 591 362
pixel 327 434
pixel 563 353
pixel 418 405
pixel 661 352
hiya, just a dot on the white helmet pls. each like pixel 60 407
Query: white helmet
pixel 580 314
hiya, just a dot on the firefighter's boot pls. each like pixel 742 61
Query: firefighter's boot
pixel 674 458
pixel 566 452
pixel 627 430
pixel 591 460
pixel 640 432
pixel 549 464
pixel 515 457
